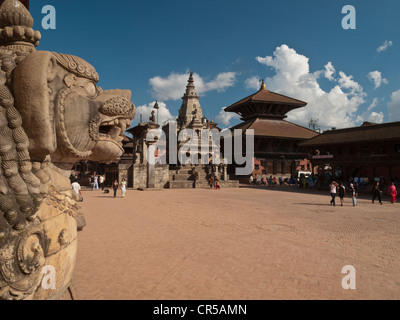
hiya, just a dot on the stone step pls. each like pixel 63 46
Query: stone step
pixel 181 177
pixel 186 185
pixel 180 184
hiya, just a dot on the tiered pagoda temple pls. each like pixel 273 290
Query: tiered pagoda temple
pixel 276 141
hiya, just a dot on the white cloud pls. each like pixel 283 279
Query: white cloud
pixel 347 82
pixel 145 111
pixel 220 83
pixel 376 78
pixel 329 71
pixel 369 116
pixel 394 107
pixel 225 118
pixel 253 83
pixel 173 87
pixel 376 117
pixel 385 46
pixel 374 104
pixel 334 108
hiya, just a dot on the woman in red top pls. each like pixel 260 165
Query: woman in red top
pixel 392 193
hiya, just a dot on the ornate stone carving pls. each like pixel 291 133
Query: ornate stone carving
pixel 52 114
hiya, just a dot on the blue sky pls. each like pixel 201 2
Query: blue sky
pixel 298 47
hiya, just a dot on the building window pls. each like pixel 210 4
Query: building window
pixel 381 150
pixel 365 149
pixel 257 166
pixel 397 148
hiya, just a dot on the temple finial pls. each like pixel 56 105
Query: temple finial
pixel 263 86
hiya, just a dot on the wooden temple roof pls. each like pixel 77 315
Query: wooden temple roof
pixel 267 97
pixel 365 133
pixel 265 104
pixel 276 128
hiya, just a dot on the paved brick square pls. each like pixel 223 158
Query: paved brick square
pixel 246 243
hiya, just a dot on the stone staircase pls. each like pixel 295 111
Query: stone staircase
pixel 182 178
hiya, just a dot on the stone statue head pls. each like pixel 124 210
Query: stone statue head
pixel 51 89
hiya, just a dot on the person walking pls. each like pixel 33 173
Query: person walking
pixel 392 193
pixel 251 180
pixel 333 189
pixel 376 192
pixel 123 187
pixel 91 180
pixel 76 187
pixel 96 182
pixel 115 186
pixel 101 180
pixel 217 186
pixel 211 182
pixel 342 193
pixel 354 194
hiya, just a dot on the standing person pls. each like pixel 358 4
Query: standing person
pixel 77 189
pixel 101 180
pixel 333 189
pixel 376 192
pixel 115 186
pixel 354 194
pixel 96 182
pixel 91 180
pixel 342 193
pixel 392 193
pixel 211 182
pixel 304 182
pixel 123 187
pixel 251 179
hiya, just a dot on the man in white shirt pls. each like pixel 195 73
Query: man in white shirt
pixel 101 180
pixel 76 187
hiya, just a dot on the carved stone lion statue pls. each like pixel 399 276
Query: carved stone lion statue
pixel 52 114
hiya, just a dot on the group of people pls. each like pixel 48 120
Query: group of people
pixel 97 182
pixel 340 189
pixel 256 180
pixel 213 182
pixel 301 182
pixel 353 189
pixel 116 185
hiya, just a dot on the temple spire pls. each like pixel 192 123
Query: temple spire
pixel 190 112
pixel 263 86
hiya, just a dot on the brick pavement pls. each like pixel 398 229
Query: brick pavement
pixel 232 244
